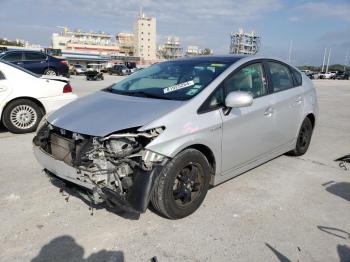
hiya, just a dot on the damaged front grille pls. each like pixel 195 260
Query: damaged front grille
pixel 111 164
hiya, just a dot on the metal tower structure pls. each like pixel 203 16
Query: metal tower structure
pixel 244 43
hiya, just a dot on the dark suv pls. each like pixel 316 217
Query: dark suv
pixel 37 62
pixel 120 70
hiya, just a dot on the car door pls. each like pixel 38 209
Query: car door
pixel 35 62
pixel 289 101
pixel 248 131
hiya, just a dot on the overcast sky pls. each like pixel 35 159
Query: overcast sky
pixel 312 25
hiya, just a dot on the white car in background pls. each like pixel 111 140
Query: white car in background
pixel 26 97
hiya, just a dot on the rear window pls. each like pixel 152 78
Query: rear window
pixel 297 77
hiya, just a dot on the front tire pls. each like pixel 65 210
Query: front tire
pixel 22 116
pixel 182 185
pixel 304 138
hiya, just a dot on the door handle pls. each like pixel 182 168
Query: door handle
pixel 19 63
pixel 268 112
pixel 299 100
pixel 3 88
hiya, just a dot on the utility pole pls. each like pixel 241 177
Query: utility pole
pixel 290 51
pixel 324 59
pixel 346 60
pixel 329 56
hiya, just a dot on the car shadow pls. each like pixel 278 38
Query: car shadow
pixel 67 190
pixel 64 248
pixel 340 189
pixel 3 129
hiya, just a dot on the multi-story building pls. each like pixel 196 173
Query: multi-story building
pixel 95 42
pixel 145 38
pixel 193 50
pixel 126 43
pixel 244 43
pixel 171 49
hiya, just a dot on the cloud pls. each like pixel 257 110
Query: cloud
pixel 294 19
pixel 327 9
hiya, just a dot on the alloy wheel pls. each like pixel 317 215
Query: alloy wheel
pixel 23 116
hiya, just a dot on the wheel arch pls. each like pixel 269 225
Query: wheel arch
pixel 208 153
pixel 36 101
pixel 312 118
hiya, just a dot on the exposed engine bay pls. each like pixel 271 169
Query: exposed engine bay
pixel 118 167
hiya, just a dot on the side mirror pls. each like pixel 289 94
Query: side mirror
pixel 238 99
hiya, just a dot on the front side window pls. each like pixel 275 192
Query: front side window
pixel 249 79
pixel 174 80
pixel 281 78
pixel 13 57
pixel 34 56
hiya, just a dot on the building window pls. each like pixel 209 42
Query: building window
pixel 149 24
pixel 141 38
pixel 149 39
pixel 142 24
pixel 141 32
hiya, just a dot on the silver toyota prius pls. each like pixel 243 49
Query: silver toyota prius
pixel 167 133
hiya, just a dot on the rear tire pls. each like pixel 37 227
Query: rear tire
pixel 304 138
pixel 50 72
pixel 22 116
pixel 182 185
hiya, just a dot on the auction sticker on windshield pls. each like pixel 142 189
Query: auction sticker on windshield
pixel 177 87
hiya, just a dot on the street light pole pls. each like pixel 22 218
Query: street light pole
pixel 329 56
pixel 324 58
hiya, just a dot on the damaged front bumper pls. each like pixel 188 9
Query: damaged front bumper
pixel 117 169
pixel 136 200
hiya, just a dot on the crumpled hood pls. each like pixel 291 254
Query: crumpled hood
pixel 102 113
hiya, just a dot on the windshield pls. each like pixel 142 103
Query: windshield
pixel 174 80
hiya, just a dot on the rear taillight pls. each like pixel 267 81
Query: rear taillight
pixel 67 88
pixel 65 62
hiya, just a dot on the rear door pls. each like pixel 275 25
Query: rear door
pixel 35 62
pixel 248 132
pixel 289 101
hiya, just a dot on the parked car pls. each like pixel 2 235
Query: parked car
pixel 341 76
pixel 121 70
pixel 166 133
pixel 25 97
pixel 77 69
pixel 37 62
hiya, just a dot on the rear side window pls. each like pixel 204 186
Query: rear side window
pixel 2 77
pixel 34 56
pixel 280 75
pixel 13 57
pixel 297 77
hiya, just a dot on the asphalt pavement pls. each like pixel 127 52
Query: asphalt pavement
pixel 289 209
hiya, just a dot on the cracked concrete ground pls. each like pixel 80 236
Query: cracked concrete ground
pixel 289 209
